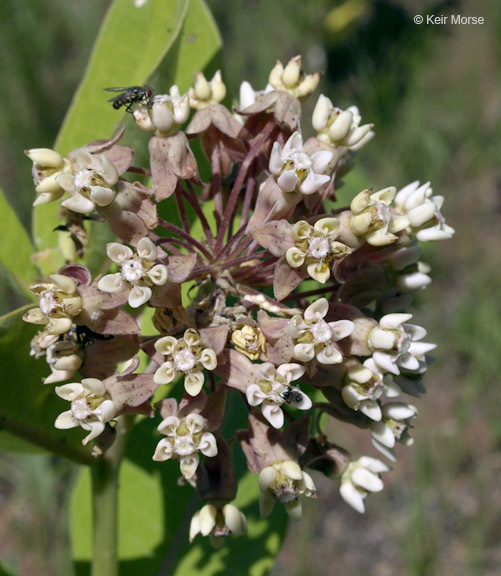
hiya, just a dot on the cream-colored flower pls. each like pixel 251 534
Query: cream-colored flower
pixel 292 79
pixel 316 338
pixel 47 166
pixel 91 407
pixel 393 427
pixel 185 356
pixel 58 304
pixel 91 184
pixel 361 477
pixel 284 482
pixel 249 340
pixel 373 218
pixel 272 388
pixel 205 92
pixel 185 438
pixel 337 127
pixel 396 345
pixel 316 246
pixel 165 114
pixel 217 522
pixel 422 210
pixel 138 271
pixel 296 171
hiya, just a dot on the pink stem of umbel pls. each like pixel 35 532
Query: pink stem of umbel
pixel 323 290
pixel 182 211
pixel 216 185
pixel 244 167
pixel 194 203
pixel 194 243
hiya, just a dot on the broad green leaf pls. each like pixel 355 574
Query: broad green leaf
pixel 135 46
pixel 16 250
pixel 6 570
pixel 28 409
pixel 11 443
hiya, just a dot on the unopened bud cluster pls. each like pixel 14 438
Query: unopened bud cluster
pixel 281 305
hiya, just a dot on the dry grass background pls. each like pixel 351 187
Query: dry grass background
pixel 435 97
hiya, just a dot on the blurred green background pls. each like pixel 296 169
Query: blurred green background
pixel 434 95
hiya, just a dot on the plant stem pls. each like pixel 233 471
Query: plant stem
pixel 105 504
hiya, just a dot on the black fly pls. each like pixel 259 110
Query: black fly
pixel 130 96
pixel 291 395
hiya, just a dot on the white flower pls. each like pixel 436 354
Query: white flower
pixel 64 359
pixel 166 113
pixel 248 96
pixel 422 209
pixel 249 340
pixel 393 427
pixel 58 304
pixel 316 338
pixel 138 271
pixel 184 356
pixel 285 482
pixel 91 407
pixel 296 171
pixel 47 166
pixel 361 477
pixel 217 522
pixel 291 79
pixel 373 219
pixel 204 92
pixel 93 183
pixel 338 127
pixel 396 344
pixel 185 437
pixel 412 274
pixel 316 246
pixel 272 388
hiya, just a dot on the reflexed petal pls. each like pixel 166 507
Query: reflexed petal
pixel 276 161
pixel 292 470
pixel 106 411
pixel 394 321
pixel 94 386
pixel 109 171
pixel 288 180
pixel 373 464
pixel 383 434
pixel 386 362
pixel 295 257
pixel 341 329
pixel 59 325
pixel 367 480
pixel 294 509
pixel 208 445
pixel 266 478
pixel 208 359
pixel 408 362
pixel 234 519
pixel 385 451
pixel 139 295
pixel 194 526
pixel 112 283
pixel 399 410
pixel 320 160
pixel 371 409
pixel 189 465
pixel 66 181
pixel 79 204
pixel 304 352
pixel 96 428
pixel 35 316
pixel 313 182
pixel 166 345
pixel 70 391
pixel 352 497
pixel 66 420
pixel 207 519
pixel 266 504
pixel 329 355
pixel 317 310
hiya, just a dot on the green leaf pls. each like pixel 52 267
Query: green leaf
pixel 16 250
pixel 28 408
pixel 163 43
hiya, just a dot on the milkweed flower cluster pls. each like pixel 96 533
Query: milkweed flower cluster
pixel 232 321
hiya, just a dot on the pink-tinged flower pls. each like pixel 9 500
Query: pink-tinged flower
pixel 185 356
pixel 361 477
pixel 91 185
pixel 91 407
pixel 217 522
pixel 396 345
pixel 185 438
pixel 316 338
pixel 316 246
pixel 296 171
pixel 393 428
pixel 59 303
pixel 284 482
pixel 422 210
pixel 272 388
pixel 338 127
pixel 138 271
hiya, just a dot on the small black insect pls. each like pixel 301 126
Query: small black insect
pixel 291 395
pixel 130 96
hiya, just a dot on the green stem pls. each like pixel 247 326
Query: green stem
pixel 105 504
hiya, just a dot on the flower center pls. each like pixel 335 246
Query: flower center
pixel 184 360
pixel 80 409
pixel 48 303
pixel 184 445
pixel 84 179
pixel 318 247
pixel 321 332
pixel 132 270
